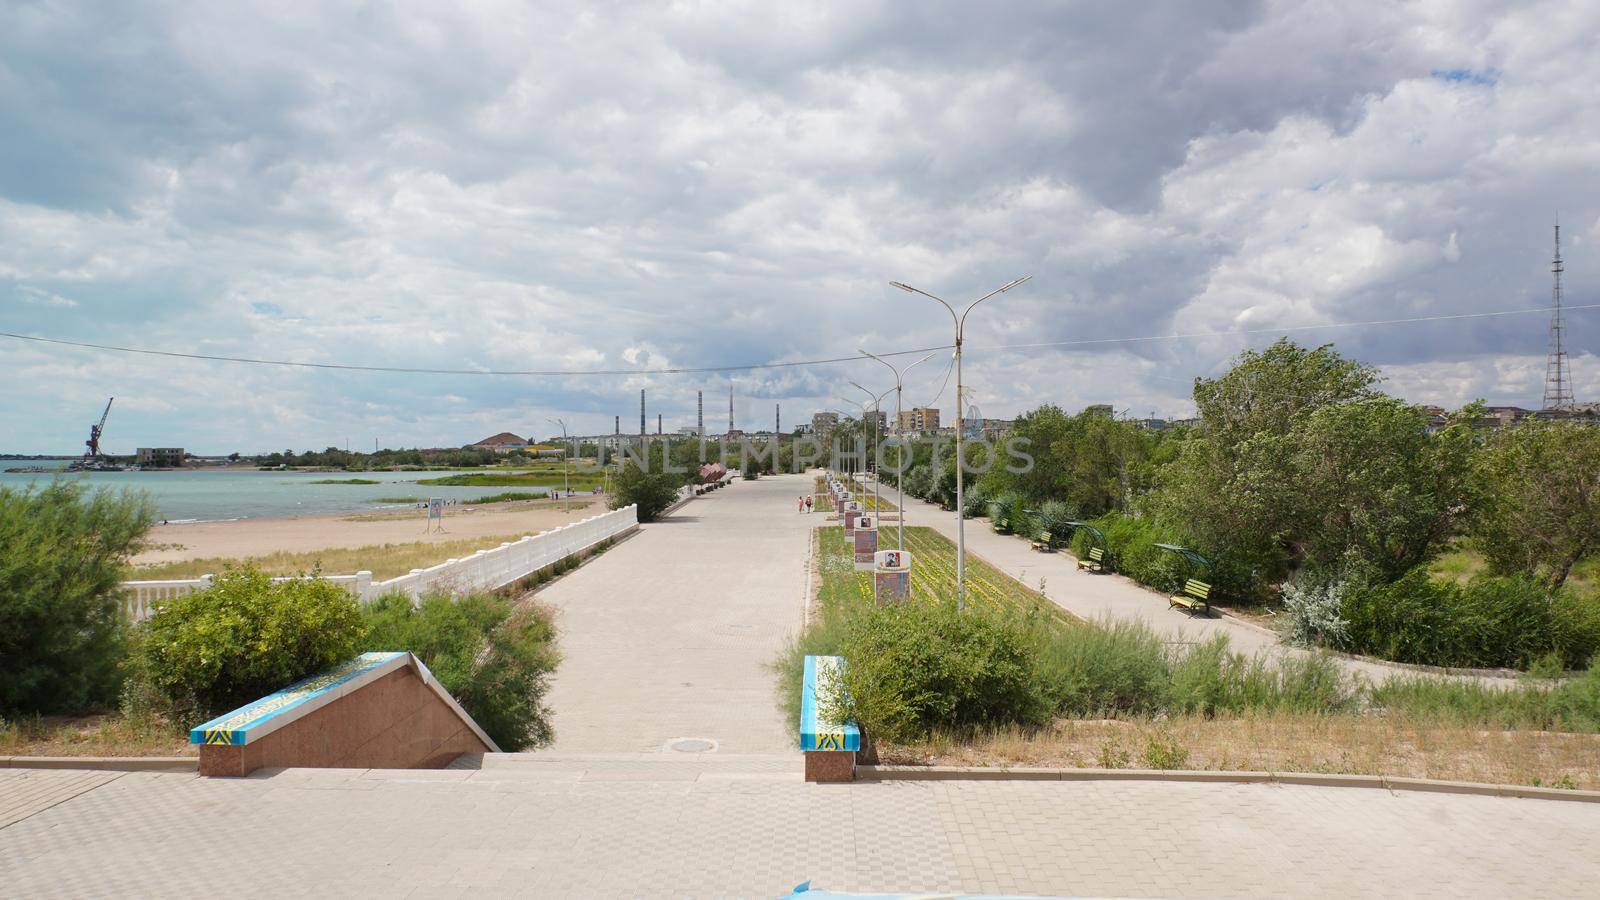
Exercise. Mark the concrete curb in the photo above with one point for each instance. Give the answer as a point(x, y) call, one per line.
point(1022, 773)
point(104, 763)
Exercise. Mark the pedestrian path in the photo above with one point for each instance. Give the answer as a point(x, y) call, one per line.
point(669, 634)
point(1092, 595)
point(605, 827)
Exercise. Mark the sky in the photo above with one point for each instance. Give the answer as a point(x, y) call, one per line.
point(580, 186)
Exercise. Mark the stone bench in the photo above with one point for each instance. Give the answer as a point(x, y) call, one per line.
point(830, 747)
point(377, 711)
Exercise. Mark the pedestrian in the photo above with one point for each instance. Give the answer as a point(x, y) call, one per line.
point(799, 504)
point(808, 504)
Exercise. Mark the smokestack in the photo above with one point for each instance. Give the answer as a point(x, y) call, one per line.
point(641, 412)
point(658, 423)
point(777, 418)
point(730, 406)
point(619, 424)
point(700, 412)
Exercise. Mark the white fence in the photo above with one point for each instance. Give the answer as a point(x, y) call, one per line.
point(485, 570)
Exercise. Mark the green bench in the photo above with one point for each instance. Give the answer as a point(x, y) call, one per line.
point(1095, 561)
point(1042, 542)
point(1196, 595)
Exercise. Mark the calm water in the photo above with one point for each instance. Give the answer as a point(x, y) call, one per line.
point(208, 495)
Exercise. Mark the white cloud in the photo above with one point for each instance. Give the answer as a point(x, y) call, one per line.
point(576, 187)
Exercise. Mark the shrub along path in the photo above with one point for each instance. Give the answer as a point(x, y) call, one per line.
point(1090, 596)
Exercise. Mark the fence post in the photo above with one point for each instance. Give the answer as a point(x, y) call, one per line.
point(363, 586)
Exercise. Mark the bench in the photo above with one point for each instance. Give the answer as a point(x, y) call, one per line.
point(1095, 561)
point(1196, 595)
point(830, 747)
point(1042, 542)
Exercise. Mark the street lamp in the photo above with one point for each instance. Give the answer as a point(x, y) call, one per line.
point(863, 407)
point(877, 414)
point(565, 487)
point(899, 478)
point(960, 323)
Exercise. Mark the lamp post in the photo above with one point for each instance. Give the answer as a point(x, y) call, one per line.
point(899, 476)
point(877, 415)
point(960, 323)
point(565, 487)
point(863, 407)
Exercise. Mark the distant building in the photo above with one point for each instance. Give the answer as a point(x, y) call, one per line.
point(919, 419)
point(879, 416)
point(692, 431)
point(1506, 415)
point(824, 422)
point(504, 442)
point(988, 428)
point(1100, 409)
point(160, 457)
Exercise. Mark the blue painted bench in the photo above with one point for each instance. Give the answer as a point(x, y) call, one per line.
point(830, 747)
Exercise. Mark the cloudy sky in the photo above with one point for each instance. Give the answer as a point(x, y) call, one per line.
point(603, 185)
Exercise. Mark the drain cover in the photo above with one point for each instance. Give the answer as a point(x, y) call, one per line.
point(692, 745)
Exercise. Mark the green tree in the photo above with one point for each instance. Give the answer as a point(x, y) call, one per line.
point(62, 555)
point(653, 490)
point(1264, 392)
point(1371, 487)
point(1540, 509)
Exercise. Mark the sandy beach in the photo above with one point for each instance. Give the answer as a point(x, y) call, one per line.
point(300, 534)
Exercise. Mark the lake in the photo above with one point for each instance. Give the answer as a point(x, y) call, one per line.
point(216, 494)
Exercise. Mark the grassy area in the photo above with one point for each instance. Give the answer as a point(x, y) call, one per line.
point(504, 497)
point(1396, 745)
point(933, 572)
point(582, 479)
point(346, 481)
point(400, 500)
point(94, 735)
point(385, 561)
point(1462, 564)
point(823, 500)
point(400, 515)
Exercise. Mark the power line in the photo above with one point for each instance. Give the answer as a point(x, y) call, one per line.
point(687, 370)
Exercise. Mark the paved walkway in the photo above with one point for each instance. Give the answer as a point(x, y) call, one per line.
point(669, 634)
point(592, 827)
point(1092, 596)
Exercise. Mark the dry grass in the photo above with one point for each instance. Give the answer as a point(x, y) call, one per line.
point(385, 561)
point(97, 735)
point(1283, 742)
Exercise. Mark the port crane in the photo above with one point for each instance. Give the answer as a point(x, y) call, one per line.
point(95, 430)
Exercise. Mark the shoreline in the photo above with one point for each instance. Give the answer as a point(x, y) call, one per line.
point(244, 538)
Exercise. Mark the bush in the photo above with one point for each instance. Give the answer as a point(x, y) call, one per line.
point(913, 668)
point(1005, 512)
point(494, 657)
point(1571, 705)
point(62, 554)
point(244, 637)
point(652, 491)
point(1312, 606)
point(1108, 667)
point(1209, 679)
point(1053, 516)
point(1489, 622)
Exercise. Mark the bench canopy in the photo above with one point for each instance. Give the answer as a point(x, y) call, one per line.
point(1192, 556)
point(816, 731)
point(1098, 535)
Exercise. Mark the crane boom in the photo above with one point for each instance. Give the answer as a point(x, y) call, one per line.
point(93, 443)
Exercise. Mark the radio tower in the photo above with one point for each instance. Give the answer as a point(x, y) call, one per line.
point(1557, 390)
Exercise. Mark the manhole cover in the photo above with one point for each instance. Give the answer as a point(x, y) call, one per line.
point(692, 745)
